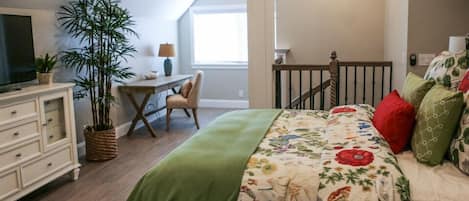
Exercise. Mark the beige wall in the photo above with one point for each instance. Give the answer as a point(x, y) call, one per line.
point(431, 22)
point(312, 28)
point(395, 38)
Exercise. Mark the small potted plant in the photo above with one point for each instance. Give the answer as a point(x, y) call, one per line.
point(44, 66)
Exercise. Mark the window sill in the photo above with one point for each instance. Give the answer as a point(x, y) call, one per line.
point(220, 66)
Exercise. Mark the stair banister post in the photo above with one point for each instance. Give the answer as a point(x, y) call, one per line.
point(334, 71)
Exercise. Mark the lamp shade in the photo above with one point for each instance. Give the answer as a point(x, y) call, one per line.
point(457, 44)
point(166, 50)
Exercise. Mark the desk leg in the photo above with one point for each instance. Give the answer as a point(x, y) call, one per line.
point(140, 114)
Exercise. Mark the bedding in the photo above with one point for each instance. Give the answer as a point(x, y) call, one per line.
point(304, 155)
point(442, 182)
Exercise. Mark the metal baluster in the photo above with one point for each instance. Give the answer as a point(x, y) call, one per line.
point(322, 92)
point(346, 85)
point(301, 88)
point(278, 89)
point(364, 84)
point(382, 82)
point(289, 88)
point(373, 93)
point(311, 90)
point(390, 78)
point(355, 87)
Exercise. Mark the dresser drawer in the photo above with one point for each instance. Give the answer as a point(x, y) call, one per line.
point(20, 154)
point(17, 112)
point(18, 134)
point(48, 165)
point(9, 184)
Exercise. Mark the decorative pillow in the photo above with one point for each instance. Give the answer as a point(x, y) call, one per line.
point(437, 121)
point(415, 89)
point(448, 69)
point(459, 151)
point(186, 88)
point(394, 119)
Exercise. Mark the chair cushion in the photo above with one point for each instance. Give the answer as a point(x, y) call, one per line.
point(415, 89)
point(186, 88)
point(177, 101)
point(394, 119)
point(437, 121)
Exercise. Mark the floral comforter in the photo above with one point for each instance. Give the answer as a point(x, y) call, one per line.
point(318, 155)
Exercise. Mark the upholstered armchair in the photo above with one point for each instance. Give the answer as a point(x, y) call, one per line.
point(188, 99)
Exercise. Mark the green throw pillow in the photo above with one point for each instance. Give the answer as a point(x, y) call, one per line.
point(415, 89)
point(437, 120)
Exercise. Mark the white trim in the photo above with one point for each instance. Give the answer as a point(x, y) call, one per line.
point(218, 103)
point(202, 67)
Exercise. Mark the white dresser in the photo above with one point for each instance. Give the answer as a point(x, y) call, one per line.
point(37, 138)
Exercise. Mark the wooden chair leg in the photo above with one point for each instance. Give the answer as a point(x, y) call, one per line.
point(194, 112)
point(168, 117)
point(187, 113)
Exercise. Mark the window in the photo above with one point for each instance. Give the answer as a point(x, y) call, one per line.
point(219, 36)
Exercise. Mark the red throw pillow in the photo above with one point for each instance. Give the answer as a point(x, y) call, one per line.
point(394, 118)
point(464, 84)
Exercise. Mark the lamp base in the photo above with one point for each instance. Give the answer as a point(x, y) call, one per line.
point(168, 67)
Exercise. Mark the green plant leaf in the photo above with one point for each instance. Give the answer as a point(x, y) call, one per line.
point(449, 62)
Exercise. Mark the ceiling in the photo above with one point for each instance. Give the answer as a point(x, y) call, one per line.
point(169, 9)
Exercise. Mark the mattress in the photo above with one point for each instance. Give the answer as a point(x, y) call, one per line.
point(443, 182)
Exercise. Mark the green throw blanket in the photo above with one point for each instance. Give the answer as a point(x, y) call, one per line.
point(211, 164)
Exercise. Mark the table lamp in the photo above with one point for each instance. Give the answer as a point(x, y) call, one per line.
point(457, 44)
point(167, 50)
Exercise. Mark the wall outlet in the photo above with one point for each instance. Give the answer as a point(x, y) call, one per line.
point(425, 59)
point(241, 93)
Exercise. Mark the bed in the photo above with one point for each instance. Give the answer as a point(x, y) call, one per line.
point(280, 155)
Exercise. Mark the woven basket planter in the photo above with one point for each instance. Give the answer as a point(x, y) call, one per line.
point(100, 145)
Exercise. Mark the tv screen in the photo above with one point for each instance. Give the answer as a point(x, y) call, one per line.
point(16, 50)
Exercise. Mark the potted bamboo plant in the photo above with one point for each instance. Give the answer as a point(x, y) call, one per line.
point(44, 66)
point(103, 27)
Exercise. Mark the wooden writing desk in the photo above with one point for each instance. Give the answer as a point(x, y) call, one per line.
point(148, 88)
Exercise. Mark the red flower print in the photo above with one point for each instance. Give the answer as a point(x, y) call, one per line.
point(340, 194)
point(343, 110)
point(338, 147)
point(464, 84)
point(354, 157)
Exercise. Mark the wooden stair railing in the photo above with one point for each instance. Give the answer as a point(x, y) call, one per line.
point(337, 71)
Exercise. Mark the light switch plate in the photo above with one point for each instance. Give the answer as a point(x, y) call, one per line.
point(425, 59)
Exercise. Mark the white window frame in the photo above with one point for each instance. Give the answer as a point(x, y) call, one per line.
point(214, 9)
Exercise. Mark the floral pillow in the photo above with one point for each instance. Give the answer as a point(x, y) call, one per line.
point(448, 69)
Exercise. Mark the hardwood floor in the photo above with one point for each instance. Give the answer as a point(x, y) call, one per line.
point(114, 180)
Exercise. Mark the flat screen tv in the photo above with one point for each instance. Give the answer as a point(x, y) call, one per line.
point(16, 50)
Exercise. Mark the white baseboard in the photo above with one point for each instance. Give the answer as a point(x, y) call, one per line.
point(229, 104)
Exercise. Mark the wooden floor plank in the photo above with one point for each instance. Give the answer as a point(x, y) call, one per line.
point(114, 180)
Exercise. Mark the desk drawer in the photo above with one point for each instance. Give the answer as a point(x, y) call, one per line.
point(9, 184)
point(18, 112)
point(20, 154)
point(18, 134)
point(48, 165)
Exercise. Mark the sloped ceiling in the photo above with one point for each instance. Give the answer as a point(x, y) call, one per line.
point(169, 9)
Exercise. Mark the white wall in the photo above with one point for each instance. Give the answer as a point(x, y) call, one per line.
point(220, 83)
point(152, 30)
point(395, 38)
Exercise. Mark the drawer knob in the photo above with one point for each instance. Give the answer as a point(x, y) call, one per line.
point(50, 120)
point(44, 124)
point(13, 112)
point(19, 155)
point(16, 134)
point(49, 164)
point(51, 136)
